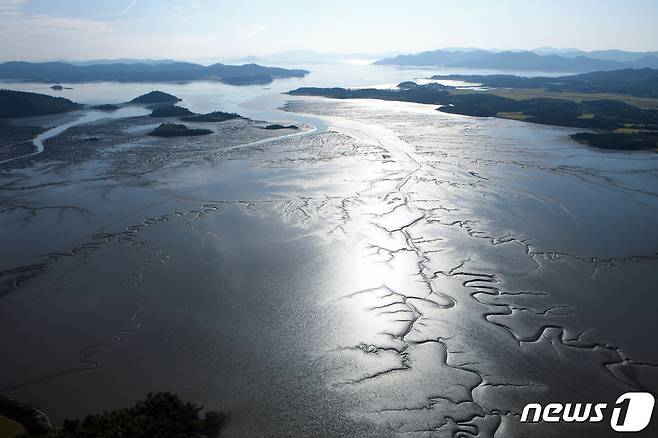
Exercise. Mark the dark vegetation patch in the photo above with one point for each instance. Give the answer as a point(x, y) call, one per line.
point(23, 104)
point(276, 126)
point(215, 116)
point(612, 140)
point(106, 107)
point(156, 97)
point(431, 93)
point(170, 111)
point(32, 420)
point(161, 415)
point(177, 130)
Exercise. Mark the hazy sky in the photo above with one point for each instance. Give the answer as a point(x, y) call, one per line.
point(197, 29)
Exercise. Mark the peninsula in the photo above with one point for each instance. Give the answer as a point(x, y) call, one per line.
point(618, 121)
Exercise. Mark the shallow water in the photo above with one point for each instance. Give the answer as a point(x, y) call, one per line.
point(399, 271)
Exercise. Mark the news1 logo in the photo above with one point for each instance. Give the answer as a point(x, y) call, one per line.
point(630, 413)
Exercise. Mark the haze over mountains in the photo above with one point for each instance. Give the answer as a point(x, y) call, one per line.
point(543, 59)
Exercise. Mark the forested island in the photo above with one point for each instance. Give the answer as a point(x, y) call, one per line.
point(177, 130)
point(155, 97)
point(23, 104)
point(215, 116)
point(14, 104)
point(107, 107)
point(619, 125)
point(170, 111)
point(56, 72)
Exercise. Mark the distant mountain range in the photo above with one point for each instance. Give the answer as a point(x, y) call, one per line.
point(118, 61)
point(164, 71)
point(313, 57)
point(609, 55)
point(543, 59)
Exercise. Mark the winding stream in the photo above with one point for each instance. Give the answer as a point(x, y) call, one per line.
point(87, 116)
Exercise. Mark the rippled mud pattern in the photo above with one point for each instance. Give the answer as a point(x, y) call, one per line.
point(112, 157)
point(468, 321)
point(405, 273)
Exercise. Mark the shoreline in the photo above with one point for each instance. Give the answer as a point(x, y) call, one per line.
point(607, 124)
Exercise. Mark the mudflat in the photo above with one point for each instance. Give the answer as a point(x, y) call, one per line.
point(399, 272)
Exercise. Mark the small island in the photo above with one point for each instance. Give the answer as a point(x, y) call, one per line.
point(171, 111)
point(177, 130)
point(276, 126)
point(407, 85)
point(106, 107)
point(215, 116)
point(156, 97)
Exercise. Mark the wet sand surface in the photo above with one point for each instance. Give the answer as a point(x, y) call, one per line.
point(403, 273)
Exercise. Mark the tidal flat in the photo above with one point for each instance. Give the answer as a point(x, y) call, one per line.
point(401, 272)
